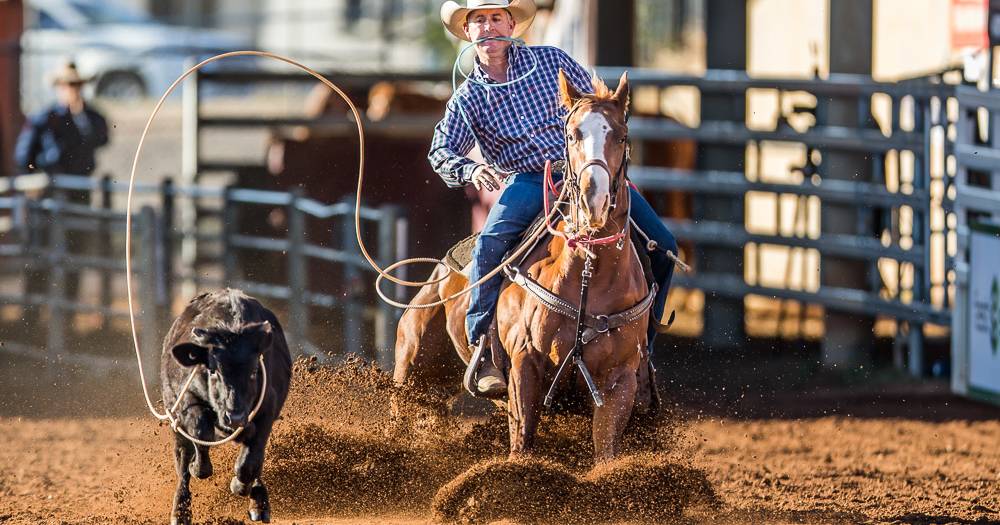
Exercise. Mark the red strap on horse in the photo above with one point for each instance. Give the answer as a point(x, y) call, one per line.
point(586, 240)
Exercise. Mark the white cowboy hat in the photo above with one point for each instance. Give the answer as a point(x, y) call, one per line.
point(454, 15)
point(67, 74)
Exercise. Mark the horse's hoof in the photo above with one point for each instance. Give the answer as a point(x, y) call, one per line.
point(238, 488)
point(180, 520)
point(201, 469)
point(262, 516)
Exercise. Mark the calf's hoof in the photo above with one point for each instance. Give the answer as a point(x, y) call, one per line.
point(261, 515)
point(180, 518)
point(238, 488)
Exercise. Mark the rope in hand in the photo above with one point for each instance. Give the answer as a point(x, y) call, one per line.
point(383, 274)
point(168, 414)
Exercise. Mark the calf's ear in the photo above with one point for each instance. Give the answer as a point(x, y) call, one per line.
point(190, 354)
point(266, 335)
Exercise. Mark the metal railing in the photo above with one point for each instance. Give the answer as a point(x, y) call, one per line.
point(895, 206)
point(977, 199)
point(921, 102)
point(34, 234)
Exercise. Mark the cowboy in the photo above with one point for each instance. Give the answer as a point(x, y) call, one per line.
point(63, 138)
point(518, 127)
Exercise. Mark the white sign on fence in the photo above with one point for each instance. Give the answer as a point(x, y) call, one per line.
point(984, 310)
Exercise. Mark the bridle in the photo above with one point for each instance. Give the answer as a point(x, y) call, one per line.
point(572, 178)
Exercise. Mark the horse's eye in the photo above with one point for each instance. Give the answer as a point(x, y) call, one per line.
point(570, 139)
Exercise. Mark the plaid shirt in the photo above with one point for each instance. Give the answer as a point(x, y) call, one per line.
point(518, 127)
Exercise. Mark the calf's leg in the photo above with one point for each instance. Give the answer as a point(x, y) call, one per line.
point(201, 466)
point(247, 480)
point(180, 514)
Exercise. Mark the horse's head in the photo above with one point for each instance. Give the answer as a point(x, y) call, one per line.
point(596, 149)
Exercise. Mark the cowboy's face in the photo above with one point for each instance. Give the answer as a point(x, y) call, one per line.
point(69, 93)
point(483, 23)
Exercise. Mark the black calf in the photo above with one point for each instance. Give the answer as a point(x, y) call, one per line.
point(221, 335)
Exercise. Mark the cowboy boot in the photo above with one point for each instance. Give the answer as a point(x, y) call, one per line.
point(482, 377)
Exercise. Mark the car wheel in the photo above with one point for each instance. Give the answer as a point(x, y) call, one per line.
point(122, 86)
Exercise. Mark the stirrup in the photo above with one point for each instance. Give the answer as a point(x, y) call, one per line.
point(471, 379)
point(662, 328)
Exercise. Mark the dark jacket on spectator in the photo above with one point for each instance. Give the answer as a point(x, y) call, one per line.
point(57, 142)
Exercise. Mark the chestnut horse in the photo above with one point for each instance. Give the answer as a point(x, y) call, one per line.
point(537, 339)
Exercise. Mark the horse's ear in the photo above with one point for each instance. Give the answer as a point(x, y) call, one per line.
point(622, 93)
point(568, 94)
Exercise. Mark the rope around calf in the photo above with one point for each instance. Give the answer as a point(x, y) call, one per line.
point(168, 415)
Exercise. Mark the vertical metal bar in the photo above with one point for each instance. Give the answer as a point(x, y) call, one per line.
point(148, 316)
point(353, 308)
point(889, 220)
point(921, 237)
point(104, 245)
point(56, 341)
point(298, 279)
point(959, 318)
point(230, 221)
point(875, 216)
point(190, 168)
point(385, 320)
point(166, 243)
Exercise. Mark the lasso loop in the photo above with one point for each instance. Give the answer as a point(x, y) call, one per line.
point(382, 274)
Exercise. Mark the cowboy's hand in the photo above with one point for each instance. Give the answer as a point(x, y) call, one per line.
point(486, 178)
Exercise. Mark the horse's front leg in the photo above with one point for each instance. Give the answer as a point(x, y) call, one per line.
point(524, 389)
point(618, 388)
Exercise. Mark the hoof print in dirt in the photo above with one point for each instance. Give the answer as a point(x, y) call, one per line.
point(525, 490)
point(646, 486)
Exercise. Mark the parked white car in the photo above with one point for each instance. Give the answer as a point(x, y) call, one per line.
point(128, 54)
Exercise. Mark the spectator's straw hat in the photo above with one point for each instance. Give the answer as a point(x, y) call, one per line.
point(67, 74)
point(454, 15)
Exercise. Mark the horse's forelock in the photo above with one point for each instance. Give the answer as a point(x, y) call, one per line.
point(601, 91)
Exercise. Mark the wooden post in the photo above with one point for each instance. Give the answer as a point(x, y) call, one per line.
point(298, 278)
point(353, 310)
point(385, 320)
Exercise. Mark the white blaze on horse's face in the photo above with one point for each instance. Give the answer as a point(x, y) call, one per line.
point(595, 181)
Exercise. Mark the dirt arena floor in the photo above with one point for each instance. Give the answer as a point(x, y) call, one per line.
point(913, 455)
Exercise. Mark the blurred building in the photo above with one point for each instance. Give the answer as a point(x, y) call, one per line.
point(10, 109)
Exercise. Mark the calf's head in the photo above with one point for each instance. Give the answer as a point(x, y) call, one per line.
point(232, 360)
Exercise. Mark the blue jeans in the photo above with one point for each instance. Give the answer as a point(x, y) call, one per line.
point(517, 208)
